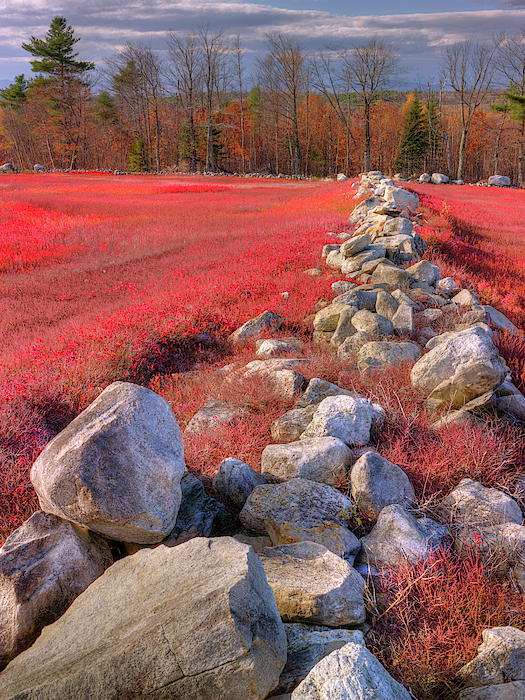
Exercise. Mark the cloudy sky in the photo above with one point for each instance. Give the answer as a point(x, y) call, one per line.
point(416, 28)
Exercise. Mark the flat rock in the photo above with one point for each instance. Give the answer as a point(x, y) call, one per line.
point(214, 414)
point(229, 644)
point(116, 468)
point(323, 459)
point(235, 480)
point(270, 499)
point(500, 658)
point(465, 365)
point(357, 261)
point(347, 418)
point(350, 673)
point(377, 483)
point(307, 645)
point(312, 584)
point(473, 504)
point(498, 320)
point(397, 537)
point(381, 354)
point(342, 286)
point(264, 323)
point(44, 565)
point(363, 299)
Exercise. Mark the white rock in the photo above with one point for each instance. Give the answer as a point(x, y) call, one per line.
point(439, 179)
point(350, 673)
point(499, 181)
point(323, 459)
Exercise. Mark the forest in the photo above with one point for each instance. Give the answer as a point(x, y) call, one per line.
point(293, 112)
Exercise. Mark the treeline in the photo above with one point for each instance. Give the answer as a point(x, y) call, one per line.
point(298, 114)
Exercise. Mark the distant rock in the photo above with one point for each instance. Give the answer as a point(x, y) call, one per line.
point(499, 181)
point(439, 179)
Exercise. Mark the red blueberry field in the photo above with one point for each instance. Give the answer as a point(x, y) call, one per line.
point(143, 278)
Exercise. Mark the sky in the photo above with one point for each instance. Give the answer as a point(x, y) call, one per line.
point(418, 31)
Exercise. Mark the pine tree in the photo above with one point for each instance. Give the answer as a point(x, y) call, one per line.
point(15, 94)
point(515, 106)
point(415, 140)
point(62, 79)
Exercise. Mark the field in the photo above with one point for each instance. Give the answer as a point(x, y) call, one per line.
point(143, 279)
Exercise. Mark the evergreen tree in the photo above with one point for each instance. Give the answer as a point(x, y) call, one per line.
point(137, 155)
point(415, 139)
point(15, 94)
point(515, 106)
point(63, 80)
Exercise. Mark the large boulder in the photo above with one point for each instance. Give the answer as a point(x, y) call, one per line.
point(398, 199)
point(44, 565)
point(355, 244)
point(195, 621)
point(392, 276)
point(361, 210)
point(116, 468)
point(343, 417)
point(377, 483)
point(270, 499)
point(350, 673)
point(500, 658)
point(465, 365)
point(312, 584)
point(324, 459)
point(498, 320)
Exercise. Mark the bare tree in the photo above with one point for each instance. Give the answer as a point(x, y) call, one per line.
point(435, 119)
point(469, 69)
point(186, 74)
point(283, 76)
point(510, 64)
point(334, 83)
point(369, 69)
point(239, 71)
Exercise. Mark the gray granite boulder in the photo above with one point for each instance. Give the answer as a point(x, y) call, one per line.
point(398, 536)
point(471, 503)
point(347, 418)
point(350, 673)
point(465, 365)
point(44, 565)
point(269, 499)
point(500, 658)
point(382, 354)
point(372, 323)
point(312, 584)
point(502, 691)
point(307, 645)
point(264, 323)
point(116, 468)
point(319, 389)
point(377, 483)
point(125, 635)
point(355, 245)
point(235, 480)
point(214, 414)
point(323, 459)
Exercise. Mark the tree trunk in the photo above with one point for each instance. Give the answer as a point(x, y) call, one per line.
point(461, 156)
point(367, 135)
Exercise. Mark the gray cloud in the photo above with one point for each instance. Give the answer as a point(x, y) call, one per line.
point(106, 25)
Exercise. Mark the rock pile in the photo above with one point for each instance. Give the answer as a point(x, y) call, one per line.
point(258, 613)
